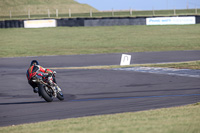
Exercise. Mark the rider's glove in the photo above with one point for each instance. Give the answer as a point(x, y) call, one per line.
point(54, 72)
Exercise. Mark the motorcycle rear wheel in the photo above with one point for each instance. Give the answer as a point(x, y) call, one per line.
point(44, 94)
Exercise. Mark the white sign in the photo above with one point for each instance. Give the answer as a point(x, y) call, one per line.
point(170, 20)
point(125, 59)
point(39, 23)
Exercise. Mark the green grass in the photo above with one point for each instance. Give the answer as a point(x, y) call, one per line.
point(182, 65)
point(38, 10)
point(92, 40)
point(37, 7)
point(183, 119)
point(179, 65)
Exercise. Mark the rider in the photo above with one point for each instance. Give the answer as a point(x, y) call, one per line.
point(34, 69)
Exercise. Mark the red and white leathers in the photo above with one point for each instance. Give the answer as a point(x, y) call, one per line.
point(36, 69)
point(39, 70)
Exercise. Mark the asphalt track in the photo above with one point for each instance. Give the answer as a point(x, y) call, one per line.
point(94, 92)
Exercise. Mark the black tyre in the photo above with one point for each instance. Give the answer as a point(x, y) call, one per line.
point(47, 97)
point(60, 96)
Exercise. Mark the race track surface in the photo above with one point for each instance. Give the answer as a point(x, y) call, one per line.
point(94, 92)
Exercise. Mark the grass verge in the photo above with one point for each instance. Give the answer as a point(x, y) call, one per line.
point(178, 65)
point(183, 119)
point(92, 40)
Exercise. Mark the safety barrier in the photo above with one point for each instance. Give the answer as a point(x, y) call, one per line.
point(12, 24)
point(71, 22)
point(197, 19)
point(100, 21)
point(114, 21)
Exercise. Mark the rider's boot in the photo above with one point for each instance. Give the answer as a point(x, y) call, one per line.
point(35, 90)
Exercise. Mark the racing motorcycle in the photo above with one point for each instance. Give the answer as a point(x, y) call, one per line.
point(48, 89)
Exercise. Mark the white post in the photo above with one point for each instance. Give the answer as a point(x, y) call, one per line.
point(112, 12)
point(29, 14)
point(90, 12)
point(48, 13)
point(153, 11)
point(131, 12)
point(174, 11)
point(70, 13)
point(196, 10)
point(57, 13)
point(10, 14)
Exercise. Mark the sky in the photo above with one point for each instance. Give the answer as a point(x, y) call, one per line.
point(141, 4)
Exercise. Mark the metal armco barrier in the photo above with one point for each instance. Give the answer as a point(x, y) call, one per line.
point(71, 22)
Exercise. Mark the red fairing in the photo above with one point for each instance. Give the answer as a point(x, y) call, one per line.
point(49, 71)
point(42, 69)
point(40, 74)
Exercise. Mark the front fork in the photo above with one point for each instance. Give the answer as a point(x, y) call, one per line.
point(53, 86)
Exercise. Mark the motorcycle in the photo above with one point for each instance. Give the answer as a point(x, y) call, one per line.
point(48, 89)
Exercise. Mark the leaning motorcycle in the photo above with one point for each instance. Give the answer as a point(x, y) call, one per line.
point(48, 89)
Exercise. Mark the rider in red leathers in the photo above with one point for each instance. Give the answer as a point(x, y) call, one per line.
point(34, 69)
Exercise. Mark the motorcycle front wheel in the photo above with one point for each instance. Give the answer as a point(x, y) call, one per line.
point(47, 97)
point(60, 96)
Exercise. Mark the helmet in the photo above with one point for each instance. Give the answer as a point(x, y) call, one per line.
point(34, 62)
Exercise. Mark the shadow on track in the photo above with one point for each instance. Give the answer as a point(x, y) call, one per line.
point(14, 103)
point(133, 97)
point(140, 91)
point(68, 97)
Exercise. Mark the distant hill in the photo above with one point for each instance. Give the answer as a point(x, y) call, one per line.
point(41, 6)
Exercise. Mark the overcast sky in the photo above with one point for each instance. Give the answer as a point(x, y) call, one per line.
point(141, 4)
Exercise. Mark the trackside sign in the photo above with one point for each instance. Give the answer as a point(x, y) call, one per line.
point(40, 23)
point(125, 60)
point(170, 21)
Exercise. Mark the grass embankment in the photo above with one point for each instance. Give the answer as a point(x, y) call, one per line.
point(36, 7)
point(183, 119)
point(92, 40)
